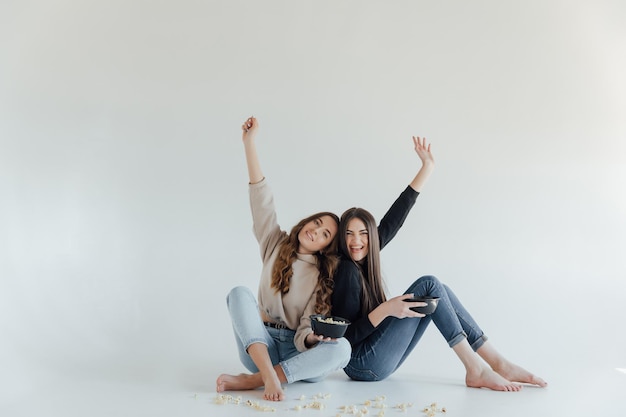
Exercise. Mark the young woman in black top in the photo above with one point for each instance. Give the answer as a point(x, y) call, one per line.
point(384, 331)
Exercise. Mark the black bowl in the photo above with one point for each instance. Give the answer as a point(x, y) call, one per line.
point(329, 326)
point(429, 308)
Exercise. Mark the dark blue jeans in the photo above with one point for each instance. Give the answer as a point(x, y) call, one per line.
point(382, 353)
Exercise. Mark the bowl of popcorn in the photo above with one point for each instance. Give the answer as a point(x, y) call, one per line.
point(329, 326)
point(429, 308)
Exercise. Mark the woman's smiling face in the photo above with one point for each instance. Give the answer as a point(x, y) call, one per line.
point(317, 234)
point(357, 239)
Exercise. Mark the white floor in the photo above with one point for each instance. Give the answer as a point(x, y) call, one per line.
point(583, 389)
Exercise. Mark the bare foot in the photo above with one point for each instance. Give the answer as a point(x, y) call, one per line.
point(273, 389)
point(239, 382)
point(486, 378)
point(516, 373)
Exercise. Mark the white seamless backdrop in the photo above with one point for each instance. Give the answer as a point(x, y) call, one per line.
point(124, 216)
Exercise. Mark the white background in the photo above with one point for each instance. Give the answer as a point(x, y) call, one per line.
point(124, 216)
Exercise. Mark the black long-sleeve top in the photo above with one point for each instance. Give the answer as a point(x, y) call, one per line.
point(346, 298)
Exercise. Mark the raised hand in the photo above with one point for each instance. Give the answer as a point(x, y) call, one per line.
point(249, 128)
point(428, 163)
point(423, 150)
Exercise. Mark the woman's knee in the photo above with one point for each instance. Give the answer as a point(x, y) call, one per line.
point(430, 278)
point(238, 293)
point(430, 282)
point(342, 351)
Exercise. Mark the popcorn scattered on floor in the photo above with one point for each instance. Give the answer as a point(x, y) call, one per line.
point(403, 406)
point(432, 409)
point(227, 399)
point(317, 403)
point(259, 407)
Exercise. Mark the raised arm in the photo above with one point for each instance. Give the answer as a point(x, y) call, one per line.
point(428, 163)
point(249, 129)
point(393, 220)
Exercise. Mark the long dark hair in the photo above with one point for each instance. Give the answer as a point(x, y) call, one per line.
point(327, 261)
point(372, 285)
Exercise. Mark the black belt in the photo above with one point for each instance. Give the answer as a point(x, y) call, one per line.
point(275, 325)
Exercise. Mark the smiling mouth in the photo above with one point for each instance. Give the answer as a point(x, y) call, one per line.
point(309, 236)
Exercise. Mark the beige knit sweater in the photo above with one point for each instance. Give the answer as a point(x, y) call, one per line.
point(294, 308)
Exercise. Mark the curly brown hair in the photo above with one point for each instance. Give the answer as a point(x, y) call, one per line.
point(326, 261)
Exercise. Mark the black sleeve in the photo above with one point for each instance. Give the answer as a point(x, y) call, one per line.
point(346, 301)
point(393, 220)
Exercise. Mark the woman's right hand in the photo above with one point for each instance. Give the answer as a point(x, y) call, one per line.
point(401, 309)
point(395, 307)
point(249, 128)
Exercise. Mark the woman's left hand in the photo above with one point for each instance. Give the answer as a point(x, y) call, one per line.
point(423, 150)
point(313, 339)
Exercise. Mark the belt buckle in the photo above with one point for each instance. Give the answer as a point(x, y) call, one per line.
point(275, 325)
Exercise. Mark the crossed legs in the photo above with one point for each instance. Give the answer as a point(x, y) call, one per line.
point(269, 376)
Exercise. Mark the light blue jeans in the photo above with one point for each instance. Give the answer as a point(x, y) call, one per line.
point(310, 366)
point(387, 348)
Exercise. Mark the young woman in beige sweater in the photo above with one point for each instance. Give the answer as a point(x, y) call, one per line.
point(274, 336)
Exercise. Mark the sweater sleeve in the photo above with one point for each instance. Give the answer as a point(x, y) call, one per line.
point(393, 220)
point(304, 328)
point(265, 225)
point(346, 302)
